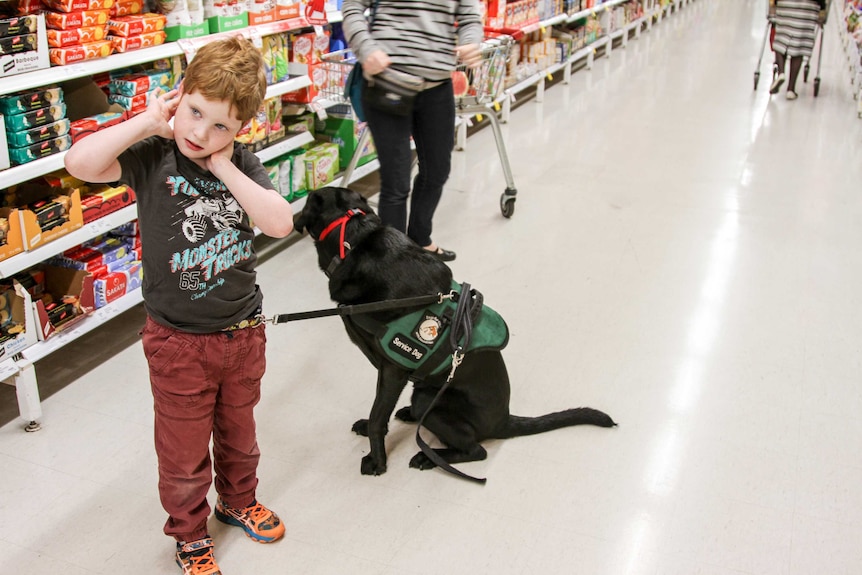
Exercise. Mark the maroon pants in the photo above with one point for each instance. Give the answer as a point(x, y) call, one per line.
point(204, 386)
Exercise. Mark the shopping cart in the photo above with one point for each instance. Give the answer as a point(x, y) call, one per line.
point(475, 90)
point(769, 34)
point(480, 87)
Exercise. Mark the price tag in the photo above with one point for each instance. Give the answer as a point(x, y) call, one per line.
point(188, 48)
point(255, 37)
point(318, 108)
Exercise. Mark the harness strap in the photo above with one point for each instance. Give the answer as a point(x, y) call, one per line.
point(459, 338)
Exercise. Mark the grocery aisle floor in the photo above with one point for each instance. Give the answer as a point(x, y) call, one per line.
point(684, 255)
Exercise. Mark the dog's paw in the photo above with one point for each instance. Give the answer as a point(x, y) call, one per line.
point(421, 461)
point(361, 428)
point(404, 414)
point(370, 467)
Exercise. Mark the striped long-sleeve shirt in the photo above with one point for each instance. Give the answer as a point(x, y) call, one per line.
point(419, 36)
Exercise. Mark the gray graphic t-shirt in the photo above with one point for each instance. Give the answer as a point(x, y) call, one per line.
point(198, 252)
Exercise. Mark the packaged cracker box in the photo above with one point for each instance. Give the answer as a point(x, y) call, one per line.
point(28, 101)
point(89, 51)
point(147, 40)
point(74, 36)
point(40, 150)
point(18, 26)
point(78, 5)
point(39, 134)
point(321, 165)
point(36, 118)
point(133, 84)
point(63, 21)
point(136, 24)
point(18, 44)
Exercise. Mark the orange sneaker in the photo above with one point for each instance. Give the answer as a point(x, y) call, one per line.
point(259, 523)
point(196, 557)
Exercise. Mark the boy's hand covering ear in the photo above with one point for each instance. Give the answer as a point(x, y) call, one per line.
point(160, 111)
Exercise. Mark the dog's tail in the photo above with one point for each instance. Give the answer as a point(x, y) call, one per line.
point(518, 426)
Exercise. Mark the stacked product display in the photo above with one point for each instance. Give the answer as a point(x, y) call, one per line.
point(68, 249)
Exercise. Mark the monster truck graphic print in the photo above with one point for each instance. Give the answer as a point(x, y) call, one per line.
point(223, 213)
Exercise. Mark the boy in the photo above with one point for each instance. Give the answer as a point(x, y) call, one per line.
point(203, 339)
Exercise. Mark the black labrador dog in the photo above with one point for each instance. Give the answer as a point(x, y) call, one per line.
point(369, 262)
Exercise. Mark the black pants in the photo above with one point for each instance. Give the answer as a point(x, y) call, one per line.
point(432, 125)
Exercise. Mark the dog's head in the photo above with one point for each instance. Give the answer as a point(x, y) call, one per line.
point(326, 205)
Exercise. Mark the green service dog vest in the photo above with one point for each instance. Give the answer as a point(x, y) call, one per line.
point(417, 338)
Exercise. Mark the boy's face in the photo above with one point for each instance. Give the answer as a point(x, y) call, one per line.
point(203, 127)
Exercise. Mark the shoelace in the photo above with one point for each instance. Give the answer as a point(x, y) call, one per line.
point(257, 513)
point(200, 561)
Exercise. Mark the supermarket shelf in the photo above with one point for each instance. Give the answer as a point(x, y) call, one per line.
point(595, 9)
point(291, 85)
point(284, 146)
point(8, 369)
point(95, 228)
point(97, 318)
point(56, 74)
point(30, 170)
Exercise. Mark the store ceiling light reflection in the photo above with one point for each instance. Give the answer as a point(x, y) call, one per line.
point(705, 324)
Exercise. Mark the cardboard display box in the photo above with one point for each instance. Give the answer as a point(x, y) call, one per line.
point(33, 234)
point(61, 282)
point(19, 305)
point(11, 64)
point(14, 239)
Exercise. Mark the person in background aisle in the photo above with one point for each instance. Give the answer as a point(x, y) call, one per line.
point(796, 24)
point(204, 338)
point(417, 37)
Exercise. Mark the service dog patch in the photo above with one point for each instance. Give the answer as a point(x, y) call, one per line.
point(428, 329)
point(407, 348)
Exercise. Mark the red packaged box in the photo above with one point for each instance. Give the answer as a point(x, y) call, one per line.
point(75, 36)
point(137, 24)
point(64, 21)
point(126, 7)
point(78, 5)
point(125, 44)
point(90, 51)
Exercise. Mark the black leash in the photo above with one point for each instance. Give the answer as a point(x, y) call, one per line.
point(363, 308)
point(459, 339)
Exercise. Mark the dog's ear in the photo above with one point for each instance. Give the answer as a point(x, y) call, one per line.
point(310, 213)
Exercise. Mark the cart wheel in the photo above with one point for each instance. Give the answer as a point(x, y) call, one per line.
point(756, 79)
point(805, 73)
point(507, 205)
point(816, 86)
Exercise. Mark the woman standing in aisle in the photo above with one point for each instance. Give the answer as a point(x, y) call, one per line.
point(796, 24)
point(421, 38)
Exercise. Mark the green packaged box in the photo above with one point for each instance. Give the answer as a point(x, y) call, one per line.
point(40, 150)
point(38, 134)
point(36, 118)
point(28, 101)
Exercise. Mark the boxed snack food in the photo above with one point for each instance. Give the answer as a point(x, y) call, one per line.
point(65, 21)
point(28, 101)
point(18, 44)
point(309, 47)
point(67, 300)
point(126, 7)
point(136, 24)
point(261, 12)
point(78, 5)
point(89, 51)
point(86, 126)
point(321, 165)
point(14, 59)
point(133, 84)
point(136, 102)
point(287, 9)
point(39, 134)
point(103, 200)
point(4, 147)
point(10, 225)
point(32, 232)
point(146, 40)
point(117, 283)
point(37, 151)
point(34, 119)
point(18, 327)
point(19, 25)
point(74, 36)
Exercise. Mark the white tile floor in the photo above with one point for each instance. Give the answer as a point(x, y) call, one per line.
point(684, 255)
